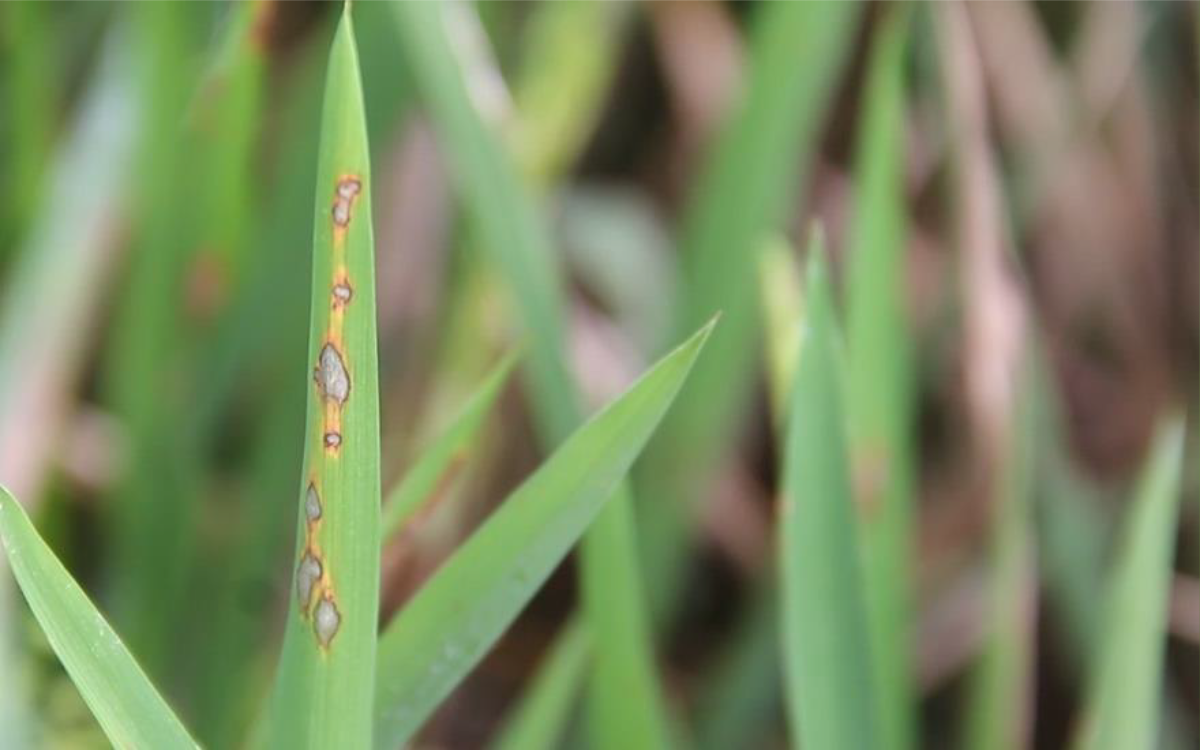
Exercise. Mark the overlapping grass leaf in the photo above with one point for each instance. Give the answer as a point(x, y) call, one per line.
point(456, 617)
point(121, 697)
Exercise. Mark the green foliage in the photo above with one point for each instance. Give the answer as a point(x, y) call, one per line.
point(827, 652)
point(752, 174)
point(127, 706)
point(436, 461)
point(822, 548)
point(1124, 704)
point(325, 685)
point(626, 704)
point(878, 390)
point(464, 608)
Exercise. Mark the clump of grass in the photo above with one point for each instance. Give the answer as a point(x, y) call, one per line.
point(326, 684)
point(766, 575)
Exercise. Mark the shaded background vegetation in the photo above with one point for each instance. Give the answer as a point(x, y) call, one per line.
point(155, 234)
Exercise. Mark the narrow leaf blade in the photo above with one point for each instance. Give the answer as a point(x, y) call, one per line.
point(879, 399)
point(115, 688)
point(796, 52)
point(1124, 703)
point(422, 479)
point(325, 684)
point(626, 704)
point(826, 647)
point(452, 622)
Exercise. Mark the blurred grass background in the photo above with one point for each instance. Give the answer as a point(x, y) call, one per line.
point(1008, 197)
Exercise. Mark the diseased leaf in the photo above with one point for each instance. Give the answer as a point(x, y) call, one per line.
point(325, 685)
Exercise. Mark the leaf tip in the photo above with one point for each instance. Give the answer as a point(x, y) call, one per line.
point(696, 342)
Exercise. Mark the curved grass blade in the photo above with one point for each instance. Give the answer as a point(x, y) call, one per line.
point(825, 639)
point(325, 684)
point(565, 70)
point(626, 700)
point(460, 613)
point(129, 709)
point(568, 47)
point(52, 280)
point(1124, 703)
point(741, 693)
point(999, 710)
point(753, 175)
point(879, 391)
point(493, 193)
point(436, 460)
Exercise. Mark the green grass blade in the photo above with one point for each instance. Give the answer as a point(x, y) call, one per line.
point(52, 280)
point(155, 504)
point(326, 679)
point(782, 313)
point(496, 199)
point(129, 709)
point(421, 481)
point(31, 83)
point(539, 719)
point(235, 664)
point(224, 125)
point(1124, 701)
point(457, 616)
point(1071, 524)
point(570, 56)
point(752, 177)
point(626, 701)
point(825, 638)
point(878, 392)
point(998, 712)
point(741, 692)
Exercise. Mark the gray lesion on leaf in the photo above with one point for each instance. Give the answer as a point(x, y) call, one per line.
point(312, 503)
point(307, 574)
point(326, 621)
point(331, 376)
point(342, 292)
point(333, 440)
point(348, 189)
